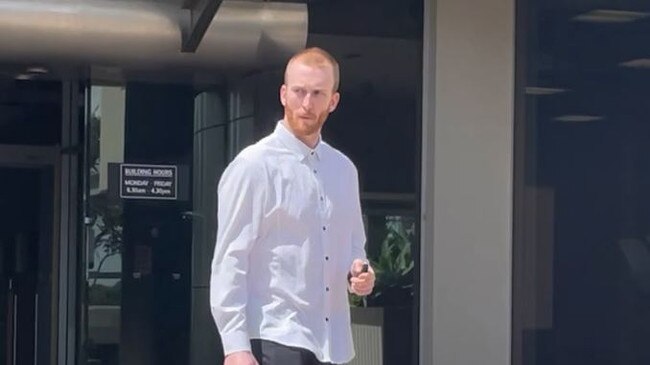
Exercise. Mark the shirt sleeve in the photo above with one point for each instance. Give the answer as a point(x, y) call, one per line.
point(358, 228)
point(241, 195)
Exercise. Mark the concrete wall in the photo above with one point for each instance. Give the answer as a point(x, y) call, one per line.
point(467, 182)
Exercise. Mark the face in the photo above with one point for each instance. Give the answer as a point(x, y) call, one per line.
point(308, 98)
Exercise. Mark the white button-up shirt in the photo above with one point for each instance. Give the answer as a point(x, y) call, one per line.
point(289, 227)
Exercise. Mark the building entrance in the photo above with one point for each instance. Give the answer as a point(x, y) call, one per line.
point(27, 242)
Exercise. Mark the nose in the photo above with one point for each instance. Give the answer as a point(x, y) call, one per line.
point(306, 101)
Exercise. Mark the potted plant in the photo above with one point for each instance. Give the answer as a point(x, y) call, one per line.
point(389, 309)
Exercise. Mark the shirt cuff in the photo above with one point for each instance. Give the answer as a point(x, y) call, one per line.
point(235, 341)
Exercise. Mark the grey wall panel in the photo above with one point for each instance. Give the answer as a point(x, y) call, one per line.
point(219, 134)
point(468, 183)
point(210, 159)
point(240, 135)
point(209, 111)
point(242, 98)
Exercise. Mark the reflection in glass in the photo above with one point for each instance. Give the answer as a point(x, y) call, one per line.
point(135, 305)
point(582, 171)
point(393, 261)
point(104, 226)
point(383, 322)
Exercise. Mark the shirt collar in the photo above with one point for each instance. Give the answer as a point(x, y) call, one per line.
point(295, 145)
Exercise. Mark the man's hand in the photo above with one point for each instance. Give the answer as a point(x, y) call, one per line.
point(361, 283)
point(240, 358)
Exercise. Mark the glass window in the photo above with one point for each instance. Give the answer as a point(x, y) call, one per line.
point(388, 315)
point(104, 225)
point(582, 170)
point(377, 124)
point(136, 296)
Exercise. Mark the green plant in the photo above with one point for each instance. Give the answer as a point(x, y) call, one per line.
point(393, 265)
point(104, 212)
point(99, 294)
point(106, 216)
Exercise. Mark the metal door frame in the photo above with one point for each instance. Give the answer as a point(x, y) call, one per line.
point(71, 153)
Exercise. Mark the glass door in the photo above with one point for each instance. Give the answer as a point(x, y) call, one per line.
point(26, 240)
point(135, 289)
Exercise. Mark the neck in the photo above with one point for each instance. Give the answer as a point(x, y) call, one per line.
point(310, 140)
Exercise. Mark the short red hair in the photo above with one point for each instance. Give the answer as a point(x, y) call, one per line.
point(316, 57)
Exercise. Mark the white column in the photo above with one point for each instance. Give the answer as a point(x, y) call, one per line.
point(467, 182)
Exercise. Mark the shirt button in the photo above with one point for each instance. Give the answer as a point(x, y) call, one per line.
point(315, 171)
point(327, 319)
point(327, 288)
point(324, 228)
point(327, 258)
point(312, 153)
point(321, 198)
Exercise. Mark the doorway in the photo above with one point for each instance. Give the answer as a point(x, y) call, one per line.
point(28, 219)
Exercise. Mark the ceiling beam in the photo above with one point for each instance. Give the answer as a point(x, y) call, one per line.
point(201, 14)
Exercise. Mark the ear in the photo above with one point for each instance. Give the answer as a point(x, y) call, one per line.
point(334, 101)
point(283, 95)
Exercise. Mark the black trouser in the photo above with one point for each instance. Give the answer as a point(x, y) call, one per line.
point(272, 353)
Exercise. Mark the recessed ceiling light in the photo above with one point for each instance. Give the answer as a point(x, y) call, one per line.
point(37, 70)
point(536, 90)
point(610, 16)
point(577, 118)
point(24, 77)
point(638, 63)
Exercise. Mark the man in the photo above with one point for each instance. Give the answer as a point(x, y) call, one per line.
point(290, 240)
